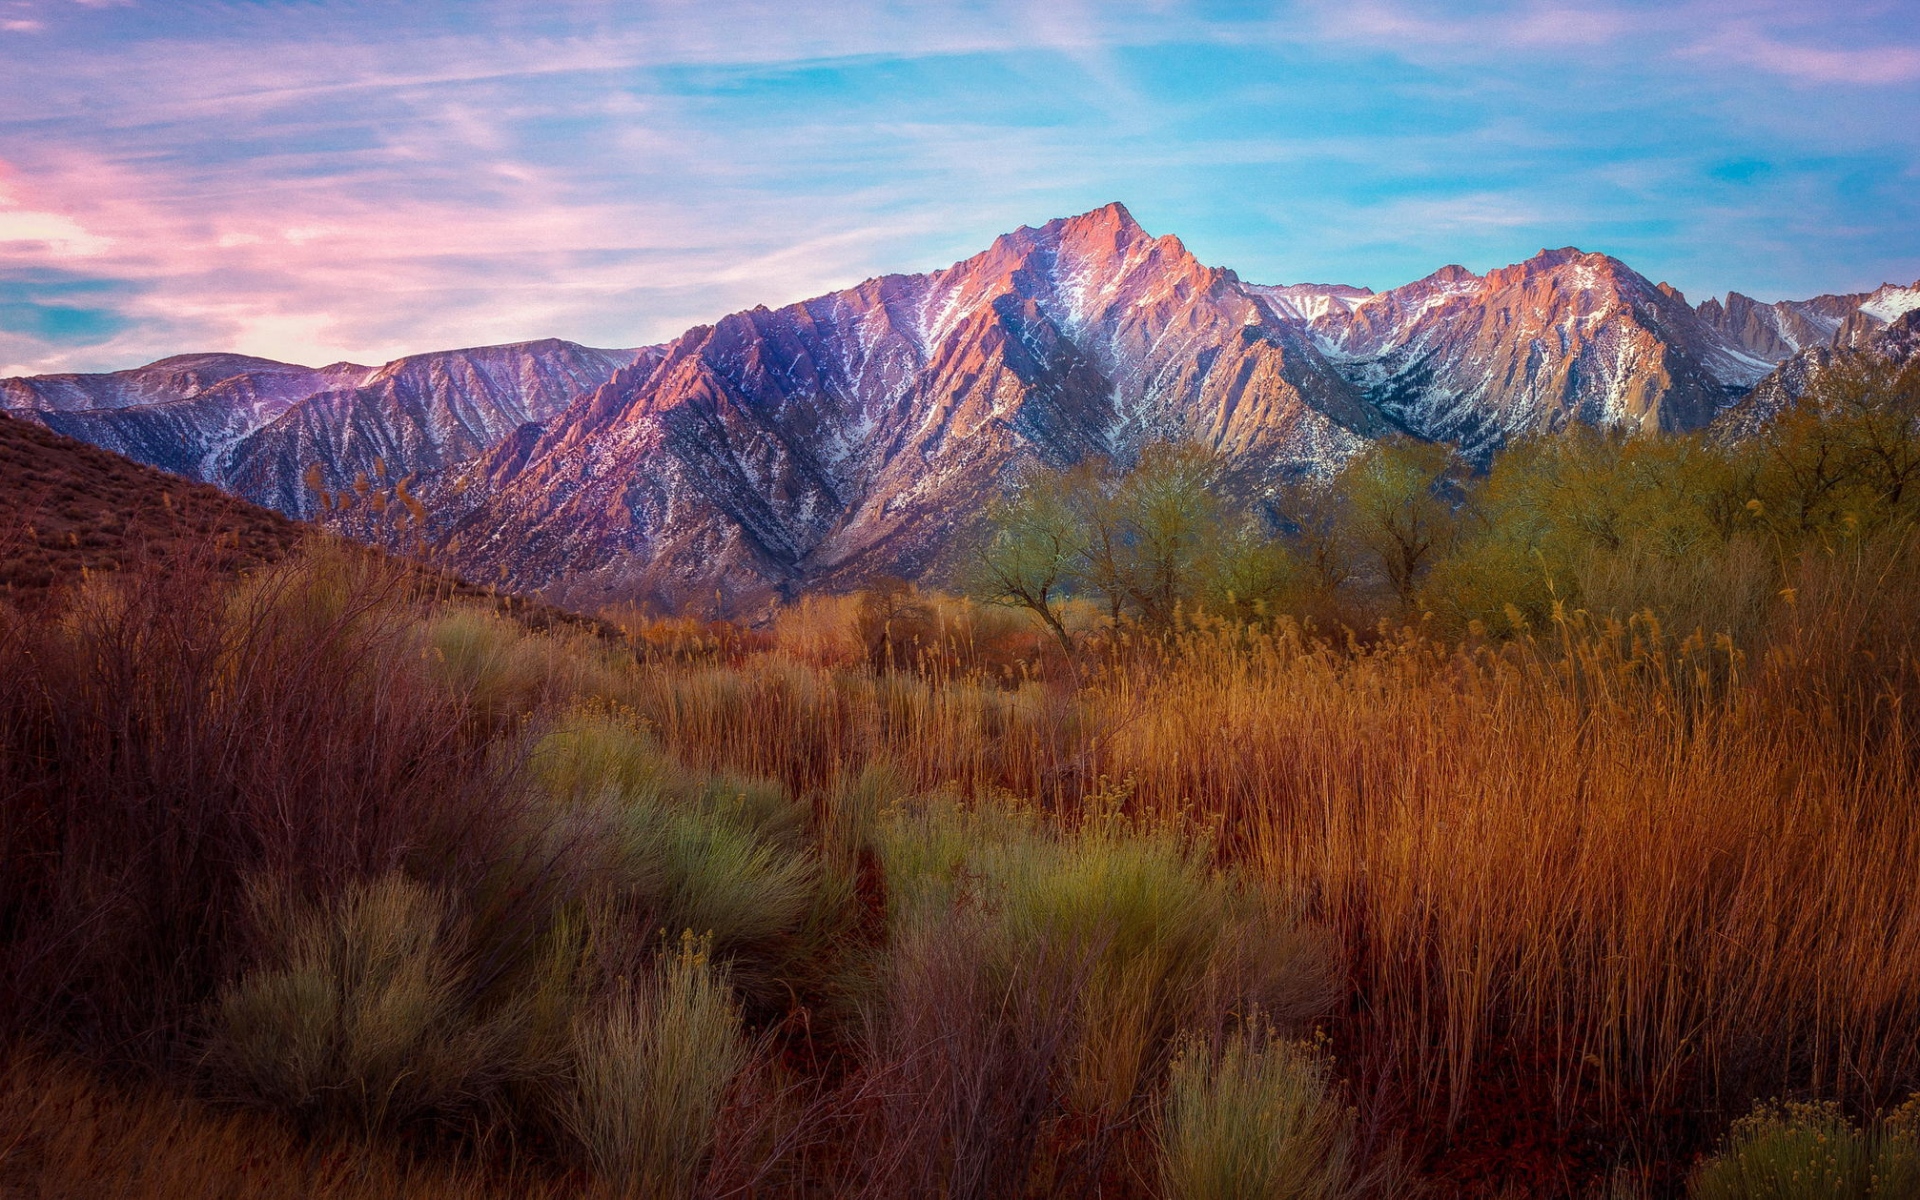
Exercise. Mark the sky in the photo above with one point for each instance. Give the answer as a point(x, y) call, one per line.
point(317, 181)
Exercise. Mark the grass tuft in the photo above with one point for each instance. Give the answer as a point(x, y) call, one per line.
point(1257, 1118)
point(651, 1069)
point(356, 1015)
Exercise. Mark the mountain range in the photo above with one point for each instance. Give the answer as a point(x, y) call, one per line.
point(865, 432)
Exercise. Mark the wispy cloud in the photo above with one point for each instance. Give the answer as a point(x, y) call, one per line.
point(363, 179)
point(1869, 66)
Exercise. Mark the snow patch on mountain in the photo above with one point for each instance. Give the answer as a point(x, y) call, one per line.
point(1888, 303)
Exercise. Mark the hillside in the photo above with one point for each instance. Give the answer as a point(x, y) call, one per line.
point(69, 508)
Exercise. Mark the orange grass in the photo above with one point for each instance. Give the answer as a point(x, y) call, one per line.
point(1608, 884)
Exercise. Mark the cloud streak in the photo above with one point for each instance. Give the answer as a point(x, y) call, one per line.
point(360, 180)
point(1867, 66)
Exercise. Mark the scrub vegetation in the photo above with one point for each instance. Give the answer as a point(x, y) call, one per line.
point(1541, 830)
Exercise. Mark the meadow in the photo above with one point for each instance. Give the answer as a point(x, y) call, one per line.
point(1542, 830)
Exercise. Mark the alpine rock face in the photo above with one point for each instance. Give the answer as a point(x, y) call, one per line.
point(1896, 341)
point(176, 413)
point(1563, 337)
point(414, 416)
point(861, 431)
point(868, 430)
point(1777, 331)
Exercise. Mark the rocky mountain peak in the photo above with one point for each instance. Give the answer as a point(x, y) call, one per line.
point(1453, 274)
point(1890, 301)
point(1571, 267)
point(1112, 216)
point(1105, 241)
point(1567, 335)
point(866, 430)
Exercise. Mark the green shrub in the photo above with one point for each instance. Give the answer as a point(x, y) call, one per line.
point(1256, 1119)
point(759, 806)
point(357, 1015)
point(1790, 1152)
point(1162, 940)
point(651, 1070)
point(657, 847)
point(852, 810)
point(1896, 1156)
point(1149, 913)
point(724, 882)
point(598, 752)
point(488, 661)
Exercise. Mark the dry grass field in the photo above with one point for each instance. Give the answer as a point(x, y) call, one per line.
point(317, 878)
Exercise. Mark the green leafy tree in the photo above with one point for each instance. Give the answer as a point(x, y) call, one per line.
point(1150, 542)
point(1311, 514)
point(1038, 551)
point(1844, 455)
point(1399, 497)
point(1166, 522)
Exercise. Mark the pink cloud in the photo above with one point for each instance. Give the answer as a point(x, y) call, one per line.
point(1750, 33)
point(317, 272)
point(457, 184)
point(1411, 29)
point(1872, 65)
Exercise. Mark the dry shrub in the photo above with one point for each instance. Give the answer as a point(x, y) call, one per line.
point(1588, 884)
point(1844, 644)
point(1573, 884)
point(685, 640)
point(810, 727)
point(894, 626)
point(171, 739)
point(819, 631)
point(1069, 961)
point(964, 1058)
point(1730, 590)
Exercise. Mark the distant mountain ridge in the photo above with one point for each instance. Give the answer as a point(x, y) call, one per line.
point(255, 427)
point(864, 431)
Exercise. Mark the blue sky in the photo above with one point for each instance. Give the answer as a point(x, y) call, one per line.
point(318, 181)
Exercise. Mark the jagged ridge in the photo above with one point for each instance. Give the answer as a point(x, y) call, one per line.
point(866, 430)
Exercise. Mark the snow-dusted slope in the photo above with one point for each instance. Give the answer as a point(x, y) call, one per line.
point(1565, 336)
point(1774, 332)
point(1897, 341)
point(1888, 303)
point(182, 377)
point(415, 415)
point(254, 426)
point(1309, 302)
